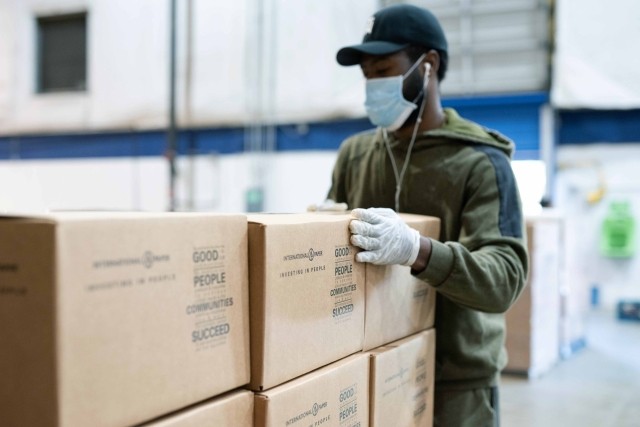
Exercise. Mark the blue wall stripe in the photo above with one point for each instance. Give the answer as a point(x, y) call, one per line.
point(516, 116)
point(598, 126)
point(528, 98)
point(319, 136)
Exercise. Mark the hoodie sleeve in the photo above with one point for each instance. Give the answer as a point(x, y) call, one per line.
point(486, 268)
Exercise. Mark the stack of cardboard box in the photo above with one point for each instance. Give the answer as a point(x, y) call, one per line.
point(115, 319)
point(312, 305)
point(121, 319)
point(399, 334)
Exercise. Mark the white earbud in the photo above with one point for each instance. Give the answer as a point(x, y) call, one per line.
point(427, 69)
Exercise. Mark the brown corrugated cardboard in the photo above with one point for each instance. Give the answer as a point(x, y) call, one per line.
point(533, 322)
point(334, 396)
point(111, 319)
point(307, 295)
point(234, 409)
point(397, 304)
point(401, 382)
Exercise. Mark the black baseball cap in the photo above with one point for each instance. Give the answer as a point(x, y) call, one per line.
point(395, 28)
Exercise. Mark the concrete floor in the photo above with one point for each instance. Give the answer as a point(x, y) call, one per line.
point(598, 386)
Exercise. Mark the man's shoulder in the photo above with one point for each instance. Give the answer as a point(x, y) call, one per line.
point(363, 137)
point(468, 131)
point(359, 142)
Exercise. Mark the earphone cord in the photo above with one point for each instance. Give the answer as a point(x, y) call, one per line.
point(400, 177)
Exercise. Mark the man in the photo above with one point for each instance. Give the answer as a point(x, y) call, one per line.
point(427, 160)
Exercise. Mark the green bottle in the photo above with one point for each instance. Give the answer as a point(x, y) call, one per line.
point(618, 229)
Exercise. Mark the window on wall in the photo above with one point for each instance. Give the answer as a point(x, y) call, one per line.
point(62, 53)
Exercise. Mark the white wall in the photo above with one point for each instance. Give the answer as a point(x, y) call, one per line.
point(596, 62)
point(103, 184)
point(292, 181)
point(128, 62)
point(583, 170)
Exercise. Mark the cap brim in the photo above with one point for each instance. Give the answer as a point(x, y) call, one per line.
point(351, 55)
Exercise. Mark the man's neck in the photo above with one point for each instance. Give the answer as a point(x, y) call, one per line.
point(432, 118)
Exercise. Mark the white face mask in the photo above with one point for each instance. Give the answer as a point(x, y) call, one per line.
point(385, 104)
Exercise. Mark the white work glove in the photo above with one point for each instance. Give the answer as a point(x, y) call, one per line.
point(328, 206)
point(384, 236)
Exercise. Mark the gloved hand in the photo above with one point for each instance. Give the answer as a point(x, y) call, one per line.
point(384, 236)
point(328, 206)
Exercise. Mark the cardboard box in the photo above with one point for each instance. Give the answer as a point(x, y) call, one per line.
point(334, 396)
point(234, 409)
point(533, 321)
point(397, 304)
point(307, 295)
point(113, 319)
point(402, 381)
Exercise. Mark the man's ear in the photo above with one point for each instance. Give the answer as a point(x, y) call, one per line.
point(433, 59)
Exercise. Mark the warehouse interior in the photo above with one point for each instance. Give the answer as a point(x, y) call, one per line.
point(228, 109)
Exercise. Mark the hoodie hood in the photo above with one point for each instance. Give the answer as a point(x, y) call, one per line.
point(459, 129)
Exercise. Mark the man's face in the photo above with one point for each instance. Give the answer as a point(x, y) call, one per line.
point(396, 64)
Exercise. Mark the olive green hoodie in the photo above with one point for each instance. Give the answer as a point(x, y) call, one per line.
point(460, 173)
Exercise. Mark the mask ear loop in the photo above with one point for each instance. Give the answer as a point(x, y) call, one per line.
point(399, 177)
point(414, 66)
